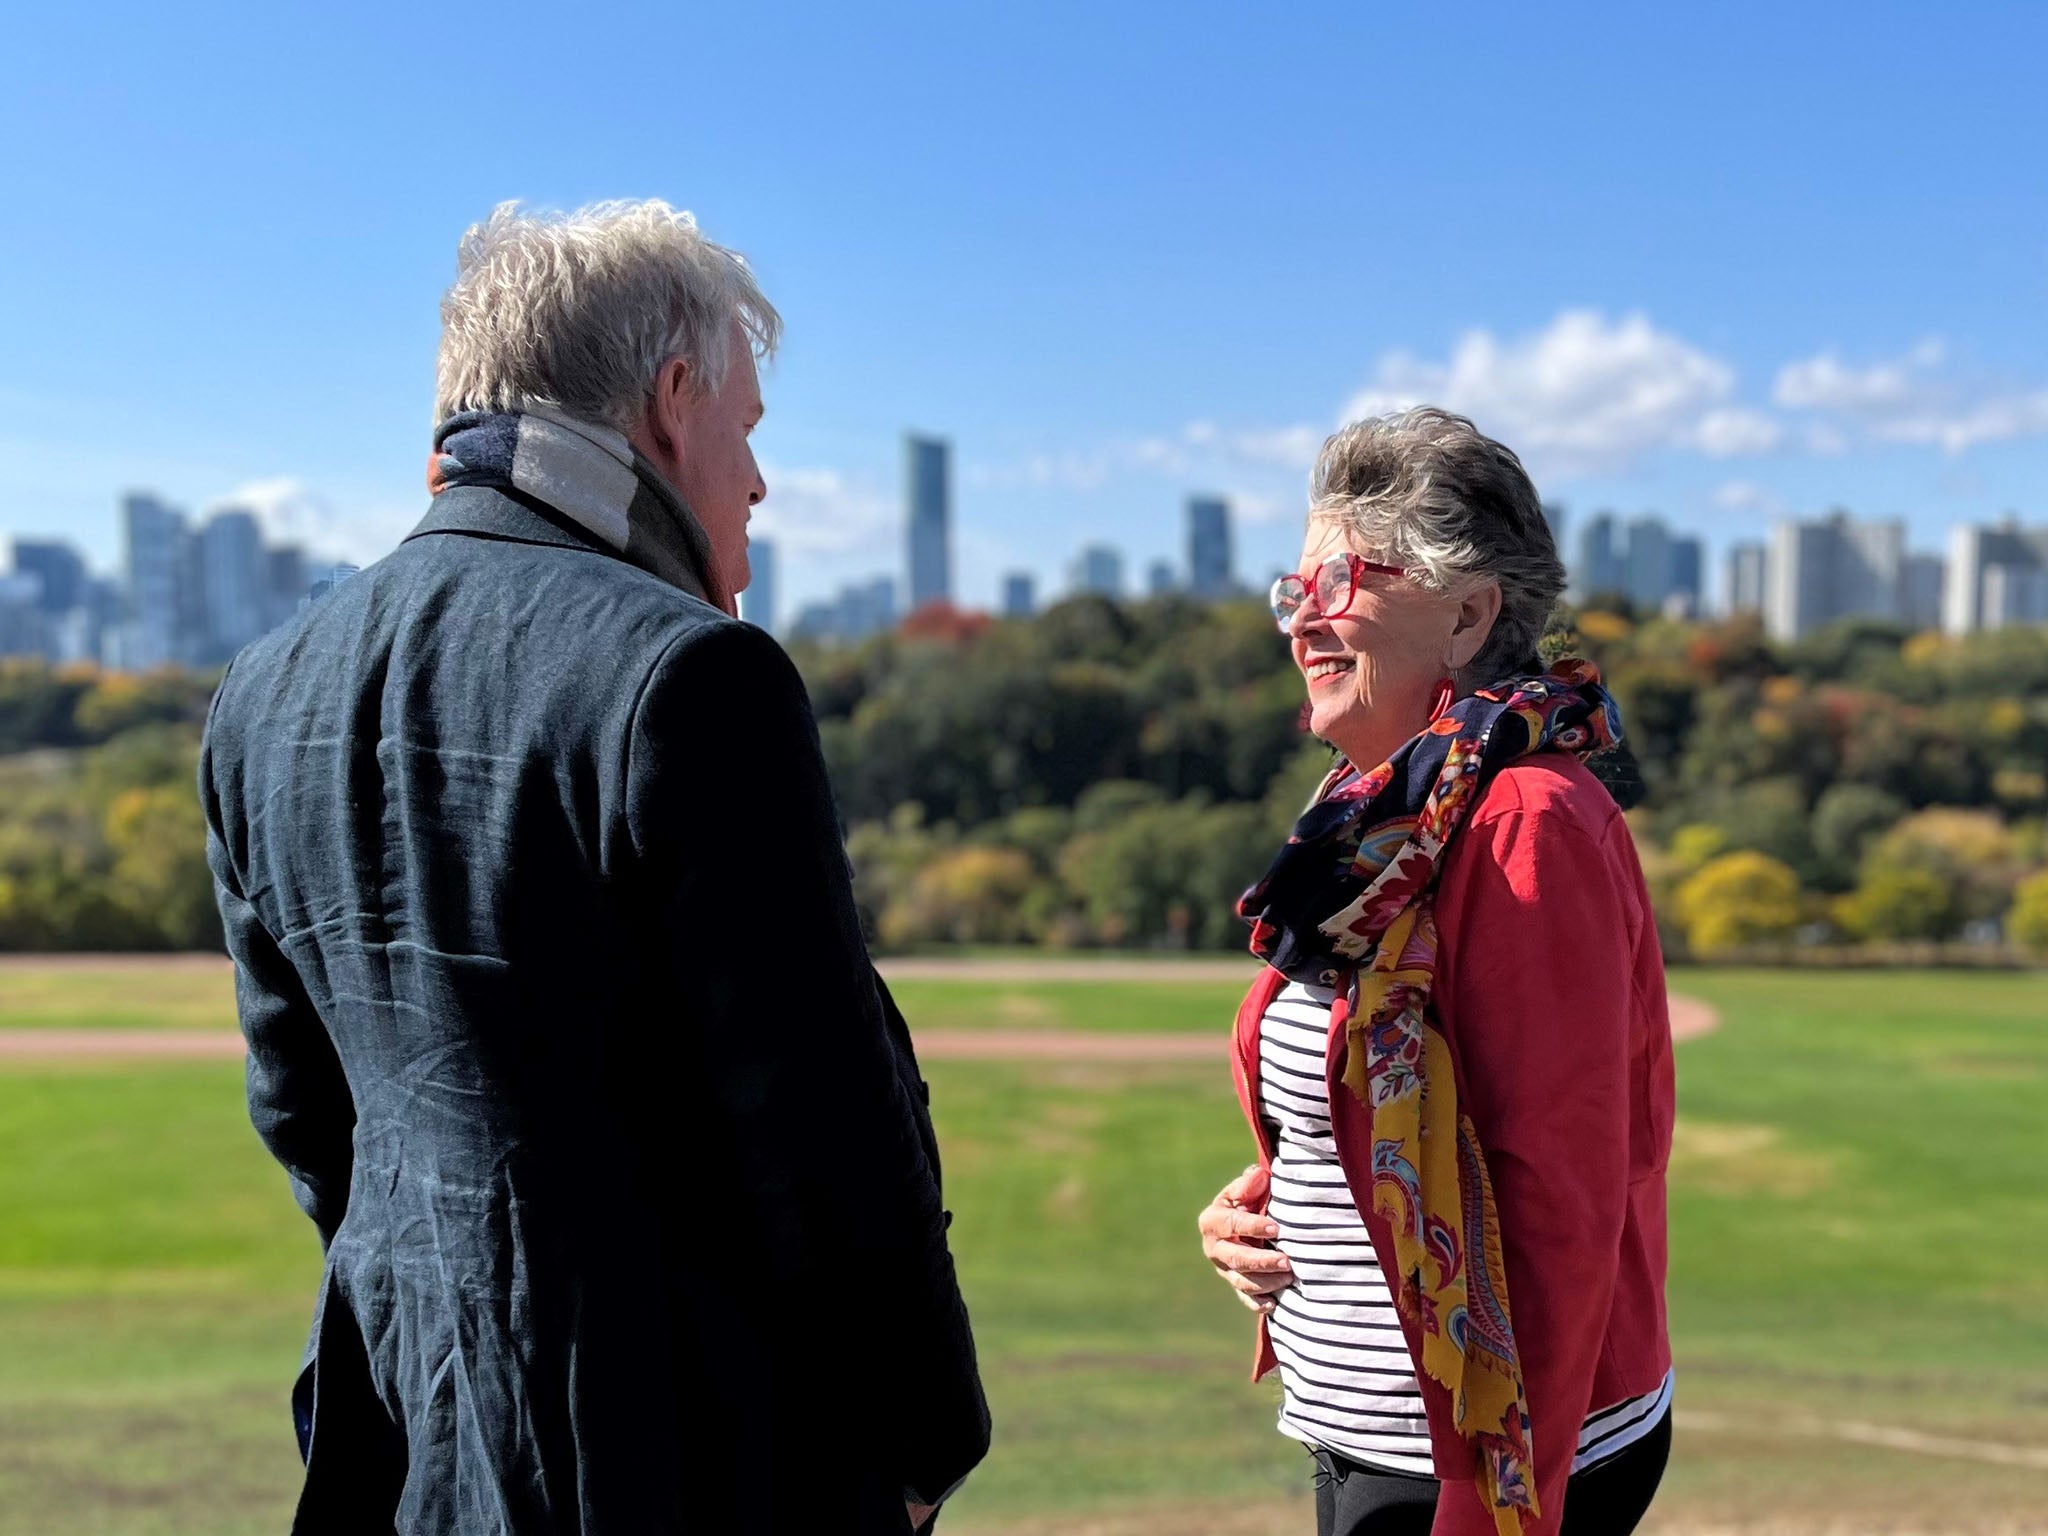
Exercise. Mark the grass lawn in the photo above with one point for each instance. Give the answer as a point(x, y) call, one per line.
point(1860, 1231)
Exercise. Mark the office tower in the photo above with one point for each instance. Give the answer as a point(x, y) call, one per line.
point(327, 578)
point(83, 632)
point(284, 583)
point(1836, 568)
point(928, 494)
point(1555, 517)
point(24, 626)
point(1160, 578)
point(2015, 594)
point(1020, 595)
point(1984, 560)
point(234, 583)
point(1209, 563)
point(1100, 570)
point(1747, 565)
point(156, 576)
point(1648, 563)
point(1601, 570)
point(757, 603)
point(58, 566)
point(1920, 584)
point(1688, 571)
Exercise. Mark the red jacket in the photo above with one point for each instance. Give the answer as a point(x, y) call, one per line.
point(1550, 992)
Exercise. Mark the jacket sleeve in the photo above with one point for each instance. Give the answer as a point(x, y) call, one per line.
point(732, 823)
point(1538, 931)
point(299, 1099)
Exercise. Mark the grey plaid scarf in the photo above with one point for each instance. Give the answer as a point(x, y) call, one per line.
point(590, 475)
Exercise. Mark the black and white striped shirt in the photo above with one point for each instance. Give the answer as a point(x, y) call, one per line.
point(1347, 1380)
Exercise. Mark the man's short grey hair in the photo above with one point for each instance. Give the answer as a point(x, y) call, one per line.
point(581, 310)
point(1426, 489)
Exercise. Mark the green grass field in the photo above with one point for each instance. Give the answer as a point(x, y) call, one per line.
point(1860, 1234)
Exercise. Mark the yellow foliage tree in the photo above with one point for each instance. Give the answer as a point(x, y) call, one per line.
point(1739, 899)
point(2027, 924)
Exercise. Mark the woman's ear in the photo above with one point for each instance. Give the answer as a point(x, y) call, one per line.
point(1476, 612)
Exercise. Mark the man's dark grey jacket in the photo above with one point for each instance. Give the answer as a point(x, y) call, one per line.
point(560, 1020)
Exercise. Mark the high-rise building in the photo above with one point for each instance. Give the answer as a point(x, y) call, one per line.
point(234, 583)
point(1601, 567)
point(2015, 594)
point(1020, 595)
point(757, 603)
point(1648, 562)
point(1688, 574)
point(1100, 570)
point(928, 496)
point(58, 566)
point(285, 583)
point(1209, 562)
point(1748, 564)
point(1558, 520)
point(1836, 568)
point(1161, 578)
point(1975, 553)
point(1920, 582)
point(24, 626)
point(157, 572)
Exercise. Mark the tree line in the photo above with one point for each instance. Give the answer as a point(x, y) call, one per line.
point(1110, 774)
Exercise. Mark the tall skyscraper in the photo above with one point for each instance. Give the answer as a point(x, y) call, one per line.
point(1648, 562)
point(1209, 562)
point(1836, 568)
point(285, 580)
point(1161, 578)
point(1100, 570)
point(157, 575)
point(1601, 569)
point(1920, 584)
point(60, 569)
point(1688, 574)
point(1555, 516)
point(24, 627)
point(1020, 595)
point(757, 603)
point(1747, 566)
point(928, 494)
point(234, 583)
point(1984, 563)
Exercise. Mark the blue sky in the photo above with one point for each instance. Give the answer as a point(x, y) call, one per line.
point(1732, 264)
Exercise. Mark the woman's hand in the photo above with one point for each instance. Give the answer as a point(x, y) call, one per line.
point(1232, 1239)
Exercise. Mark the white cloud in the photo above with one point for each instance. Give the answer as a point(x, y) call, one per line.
point(1748, 496)
point(1908, 400)
point(292, 512)
point(812, 512)
point(1584, 393)
point(1734, 431)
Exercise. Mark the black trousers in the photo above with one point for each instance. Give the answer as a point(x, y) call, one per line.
point(1608, 1499)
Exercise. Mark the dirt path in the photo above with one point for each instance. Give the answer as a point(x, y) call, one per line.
point(1689, 1018)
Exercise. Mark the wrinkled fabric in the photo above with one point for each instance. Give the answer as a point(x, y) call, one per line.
point(513, 841)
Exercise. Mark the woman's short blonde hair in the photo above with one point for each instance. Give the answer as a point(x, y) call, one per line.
point(581, 310)
point(1426, 489)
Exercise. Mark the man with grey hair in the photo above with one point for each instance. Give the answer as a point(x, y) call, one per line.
point(558, 1012)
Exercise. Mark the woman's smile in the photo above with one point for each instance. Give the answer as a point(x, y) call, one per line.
point(1323, 668)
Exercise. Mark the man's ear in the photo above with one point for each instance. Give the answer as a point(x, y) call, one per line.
point(1476, 613)
point(668, 410)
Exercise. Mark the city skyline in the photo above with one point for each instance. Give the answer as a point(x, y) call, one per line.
point(1806, 305)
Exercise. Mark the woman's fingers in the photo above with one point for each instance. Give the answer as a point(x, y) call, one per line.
point(1222, 1222)
point(1248, 1188)
point(1251, 1269)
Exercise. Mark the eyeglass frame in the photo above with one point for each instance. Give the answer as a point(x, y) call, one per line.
point(1357, 565)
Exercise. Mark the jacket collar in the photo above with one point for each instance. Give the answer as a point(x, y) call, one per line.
point(484, 512)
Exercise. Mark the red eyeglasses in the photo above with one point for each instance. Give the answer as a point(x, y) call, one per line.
point(1335, 585)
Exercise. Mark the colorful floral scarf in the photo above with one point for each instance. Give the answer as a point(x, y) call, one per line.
point(1348, 903)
